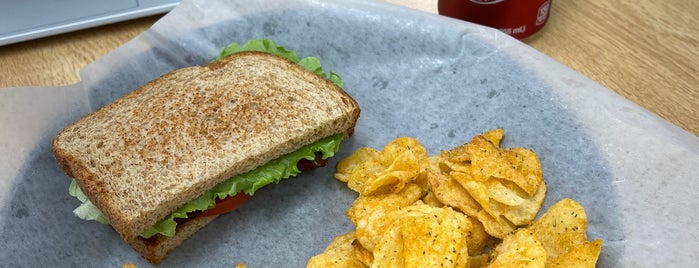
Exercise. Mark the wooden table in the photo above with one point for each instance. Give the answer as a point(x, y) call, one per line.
point(645, 50)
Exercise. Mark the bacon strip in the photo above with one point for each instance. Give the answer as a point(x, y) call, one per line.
point(306, 165)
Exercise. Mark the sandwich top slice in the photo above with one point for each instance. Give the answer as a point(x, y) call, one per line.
point(144, 156)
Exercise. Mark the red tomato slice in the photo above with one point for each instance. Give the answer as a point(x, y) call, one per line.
point(226, 205)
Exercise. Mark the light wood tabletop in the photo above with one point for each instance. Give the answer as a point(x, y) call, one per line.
point(645, 50)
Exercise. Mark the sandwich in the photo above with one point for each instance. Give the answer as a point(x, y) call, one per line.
point(164, 160)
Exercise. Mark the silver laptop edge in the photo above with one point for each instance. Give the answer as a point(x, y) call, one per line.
point(85, 21)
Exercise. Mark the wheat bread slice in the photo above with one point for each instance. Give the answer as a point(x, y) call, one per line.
point(156, 248)
point(141, 157)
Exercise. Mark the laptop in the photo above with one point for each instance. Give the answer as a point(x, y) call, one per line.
point(22, 20)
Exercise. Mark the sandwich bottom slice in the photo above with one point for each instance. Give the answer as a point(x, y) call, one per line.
point(156, 248)
point(170, 142)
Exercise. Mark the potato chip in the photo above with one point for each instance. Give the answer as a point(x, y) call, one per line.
point(583, 255)
point(498, 227)
point(403, 169)
point(518, 165)
point(563, 226)
point(524, 213)
point(365, 204)
point(431, 199)
point(389, 250)
point(368, 171)
point(339, 253)
point(375, 224)
point(433, 237)
point(478, 261)
point(484, 158)
point(362, 254)
point(525, 169)
point(477, 239)
point(497, 197)
point(424, 236)
point(461, 153)
point(348, 165)
point(433, 163)
point(421, 180)
point(400, 145)
point(479, 192)
point(494, 136)
point(506, 196)
point(461, 177)
point(456, 154)
point(362, 173)
point(450, 166)
point(448, 191)
point(502, 218)
point(341, 244)
point(520, 249)
point(371, 229)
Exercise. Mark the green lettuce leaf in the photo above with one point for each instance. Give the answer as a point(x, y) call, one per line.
point(261, 45)
point(311, 64)
point(86, 210)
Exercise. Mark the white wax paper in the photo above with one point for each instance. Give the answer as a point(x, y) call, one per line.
point(415, 74)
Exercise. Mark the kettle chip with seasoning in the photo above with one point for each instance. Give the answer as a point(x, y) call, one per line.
point(471, 206)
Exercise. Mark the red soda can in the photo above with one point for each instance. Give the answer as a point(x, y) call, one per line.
point(518, 18)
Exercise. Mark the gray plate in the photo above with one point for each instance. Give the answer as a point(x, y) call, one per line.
point(414, 74)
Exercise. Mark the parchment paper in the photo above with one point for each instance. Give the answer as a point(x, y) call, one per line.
point(416, 74)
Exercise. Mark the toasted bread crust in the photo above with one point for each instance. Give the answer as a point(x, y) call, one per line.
point(166, 143)
point(158, 247)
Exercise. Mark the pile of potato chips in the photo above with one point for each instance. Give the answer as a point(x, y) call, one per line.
point(471, 206)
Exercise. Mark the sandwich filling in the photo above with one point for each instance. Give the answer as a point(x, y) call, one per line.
point(308, 157)
point(272, 172)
